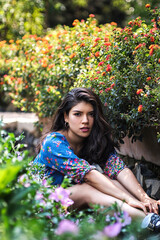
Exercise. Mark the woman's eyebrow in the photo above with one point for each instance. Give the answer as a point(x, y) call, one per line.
point(82, 111)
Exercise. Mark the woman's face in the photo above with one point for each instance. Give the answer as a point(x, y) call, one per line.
point(80, 120)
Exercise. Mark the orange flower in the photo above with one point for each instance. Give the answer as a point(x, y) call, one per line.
point(39, 104)
point(103, 73)
point(113, 23)
point(152, 39)
point(139, 91)
point(95, 44)
point(107, 44)
point(44, 65)
point(140, 108)
point(75, 22)
point(138, 68)
point(91, 15)
point(139, 45)
point(37, 92)
point(11, 41)
point(151, 51)
point(18, 41)
point(97, 54)
point(147, 5)
point(112, 85)
point(32, 58)
point(82, 45)
point(106, 39)
point(66, 47)
point(148, 78)
point(112, 77)
point(51, 65)
point(72, 55)
point(107, 89)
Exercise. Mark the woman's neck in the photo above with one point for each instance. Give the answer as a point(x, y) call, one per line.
point(75, 143)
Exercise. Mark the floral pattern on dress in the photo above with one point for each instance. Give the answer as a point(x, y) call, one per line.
point(114, 166)
point(59, 160)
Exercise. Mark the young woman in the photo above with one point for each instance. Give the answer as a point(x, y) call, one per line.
point(79, 145)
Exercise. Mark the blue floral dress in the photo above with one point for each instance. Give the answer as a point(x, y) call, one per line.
point(59, 160)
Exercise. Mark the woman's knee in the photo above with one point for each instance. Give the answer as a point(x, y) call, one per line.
point(82, 193)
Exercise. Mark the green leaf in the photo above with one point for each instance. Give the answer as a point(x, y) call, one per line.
point(7, 175)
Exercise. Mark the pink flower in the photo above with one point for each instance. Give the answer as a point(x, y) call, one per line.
point(108, 69)
point(38, 196)
point(107, 89)
point(112, 230)
point(139, 91)
point(100, 63)
point(66, 226)
point(61, 195)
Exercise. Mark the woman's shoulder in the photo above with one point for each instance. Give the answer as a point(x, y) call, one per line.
point(55, 137)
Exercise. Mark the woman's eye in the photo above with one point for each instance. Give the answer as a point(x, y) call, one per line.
point(77, 114)
point(91, 114)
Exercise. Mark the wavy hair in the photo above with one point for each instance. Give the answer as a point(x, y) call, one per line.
point(99, 144)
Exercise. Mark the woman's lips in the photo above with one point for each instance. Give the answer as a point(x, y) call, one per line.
point(85, 129)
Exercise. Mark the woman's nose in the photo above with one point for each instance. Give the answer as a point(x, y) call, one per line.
point(85, 118)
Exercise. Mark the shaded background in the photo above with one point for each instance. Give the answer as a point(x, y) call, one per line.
point(18, 17)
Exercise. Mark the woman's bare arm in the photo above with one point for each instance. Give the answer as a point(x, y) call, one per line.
point(105, 185)
point(129, 181)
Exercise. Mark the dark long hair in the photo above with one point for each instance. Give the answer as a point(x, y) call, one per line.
point(99, 144)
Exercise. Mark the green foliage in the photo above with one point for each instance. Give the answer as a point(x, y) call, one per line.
point(19, 17)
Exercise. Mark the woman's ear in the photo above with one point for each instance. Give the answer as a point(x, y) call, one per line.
point(65, 117)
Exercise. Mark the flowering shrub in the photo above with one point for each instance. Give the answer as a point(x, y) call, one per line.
point(37, 71)
point(126, 76)
point(121, 65)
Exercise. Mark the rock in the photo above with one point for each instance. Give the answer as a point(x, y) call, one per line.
point(153, 188)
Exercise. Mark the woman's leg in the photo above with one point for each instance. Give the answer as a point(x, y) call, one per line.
point(84, 194)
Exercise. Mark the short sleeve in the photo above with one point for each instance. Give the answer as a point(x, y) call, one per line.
point(114, 166)
point(57, 154)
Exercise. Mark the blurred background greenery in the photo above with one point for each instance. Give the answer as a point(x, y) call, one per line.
point(18, 17)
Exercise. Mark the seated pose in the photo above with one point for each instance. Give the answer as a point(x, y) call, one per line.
point(79, 145)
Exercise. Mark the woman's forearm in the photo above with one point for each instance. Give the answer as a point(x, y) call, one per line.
point(103, 184)
point(129, 181)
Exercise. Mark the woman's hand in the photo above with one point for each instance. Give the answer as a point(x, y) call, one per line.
point(151, 204)
point(137, 204)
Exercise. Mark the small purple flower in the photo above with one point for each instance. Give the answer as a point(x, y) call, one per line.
point(124, 219)
point(112, 230)
point(66, 226)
